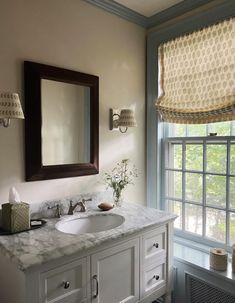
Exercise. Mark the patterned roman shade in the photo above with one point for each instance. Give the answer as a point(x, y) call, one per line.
point(197, 76)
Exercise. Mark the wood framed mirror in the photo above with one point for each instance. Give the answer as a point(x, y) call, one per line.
point(61, 122)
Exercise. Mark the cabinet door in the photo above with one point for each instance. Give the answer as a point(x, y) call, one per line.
point(115, 274)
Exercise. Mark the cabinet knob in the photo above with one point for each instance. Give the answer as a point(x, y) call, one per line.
point(155, 245)
point(66, 284)
point(156, 277)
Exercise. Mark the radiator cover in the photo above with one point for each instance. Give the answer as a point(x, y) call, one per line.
point(199, 291)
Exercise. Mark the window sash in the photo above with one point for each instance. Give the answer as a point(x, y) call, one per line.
point(209, 129)
point(227, 208)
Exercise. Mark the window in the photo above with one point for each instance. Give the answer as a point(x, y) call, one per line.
point(200, 179)
point(157, 166)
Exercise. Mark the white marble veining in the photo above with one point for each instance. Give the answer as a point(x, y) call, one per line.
point(40, 246)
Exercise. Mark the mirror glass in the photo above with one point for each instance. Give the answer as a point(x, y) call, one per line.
point(65, 123)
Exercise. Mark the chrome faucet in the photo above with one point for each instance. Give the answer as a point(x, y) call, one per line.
point(57, 210)
point(72, 207)
point(81, 204)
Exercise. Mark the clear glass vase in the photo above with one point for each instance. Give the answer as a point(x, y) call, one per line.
point(117, 198)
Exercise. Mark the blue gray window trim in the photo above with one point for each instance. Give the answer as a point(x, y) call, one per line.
point(155, 129)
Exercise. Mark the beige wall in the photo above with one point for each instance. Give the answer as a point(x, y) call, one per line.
point(76, 35)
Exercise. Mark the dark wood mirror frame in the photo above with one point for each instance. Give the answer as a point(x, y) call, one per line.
point(33, 73)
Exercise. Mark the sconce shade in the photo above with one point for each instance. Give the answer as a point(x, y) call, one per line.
point(127, 118)
point(10, 106)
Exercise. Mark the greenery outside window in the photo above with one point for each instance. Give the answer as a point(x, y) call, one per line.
point(199, 178)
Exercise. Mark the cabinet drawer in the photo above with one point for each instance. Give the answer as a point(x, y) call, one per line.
point(154, 277)
point(154, 245)
point(67, 282)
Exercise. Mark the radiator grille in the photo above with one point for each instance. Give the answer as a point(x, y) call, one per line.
point(202, 292)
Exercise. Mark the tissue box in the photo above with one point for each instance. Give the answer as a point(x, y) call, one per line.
point(15, 217)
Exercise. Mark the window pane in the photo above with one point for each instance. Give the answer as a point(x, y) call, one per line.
point(221, 128)
point(232, 228)
point(193, 218)
point(215, 224)
point(176, 208)
point(175, 156)
point(177, 130)
point(233, 128)
point(197, 130)
point(216, 158)
point(174, 184)
point(201, 130)
point(232, 192)
point(194, 157)
point(232, 159)
point(216, 190)
point(192, 192)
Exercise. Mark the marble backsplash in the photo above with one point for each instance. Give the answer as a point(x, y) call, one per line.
point(40, 210)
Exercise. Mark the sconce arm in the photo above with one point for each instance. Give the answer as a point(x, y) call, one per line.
point(5, 122)
point(115, 124)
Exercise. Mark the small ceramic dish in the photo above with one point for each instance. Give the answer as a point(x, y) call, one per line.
point(105, 206)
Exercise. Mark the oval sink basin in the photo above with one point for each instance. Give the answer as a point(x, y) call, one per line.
point(91, 224)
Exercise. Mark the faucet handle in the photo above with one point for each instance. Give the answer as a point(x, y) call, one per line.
point(82, 205)
point(71, 208)
point(86, 200)
point(58, 211)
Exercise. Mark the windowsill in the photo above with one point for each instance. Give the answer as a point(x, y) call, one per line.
point(197, 255)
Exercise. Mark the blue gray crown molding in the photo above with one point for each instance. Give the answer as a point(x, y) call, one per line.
point(121, 11)
point(148, 22)
point(175, 11)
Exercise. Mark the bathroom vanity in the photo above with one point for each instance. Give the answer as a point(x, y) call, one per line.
point(128, 263)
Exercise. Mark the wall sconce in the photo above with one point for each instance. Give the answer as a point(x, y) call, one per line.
point(10, 108)
point(122, 118)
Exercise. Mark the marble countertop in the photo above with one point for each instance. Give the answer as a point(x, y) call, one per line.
point(36, 247)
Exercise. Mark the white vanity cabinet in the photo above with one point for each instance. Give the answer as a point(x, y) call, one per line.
point(137, 268)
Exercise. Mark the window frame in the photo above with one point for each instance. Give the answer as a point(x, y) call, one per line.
point(203, 140)
point(154, 128)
